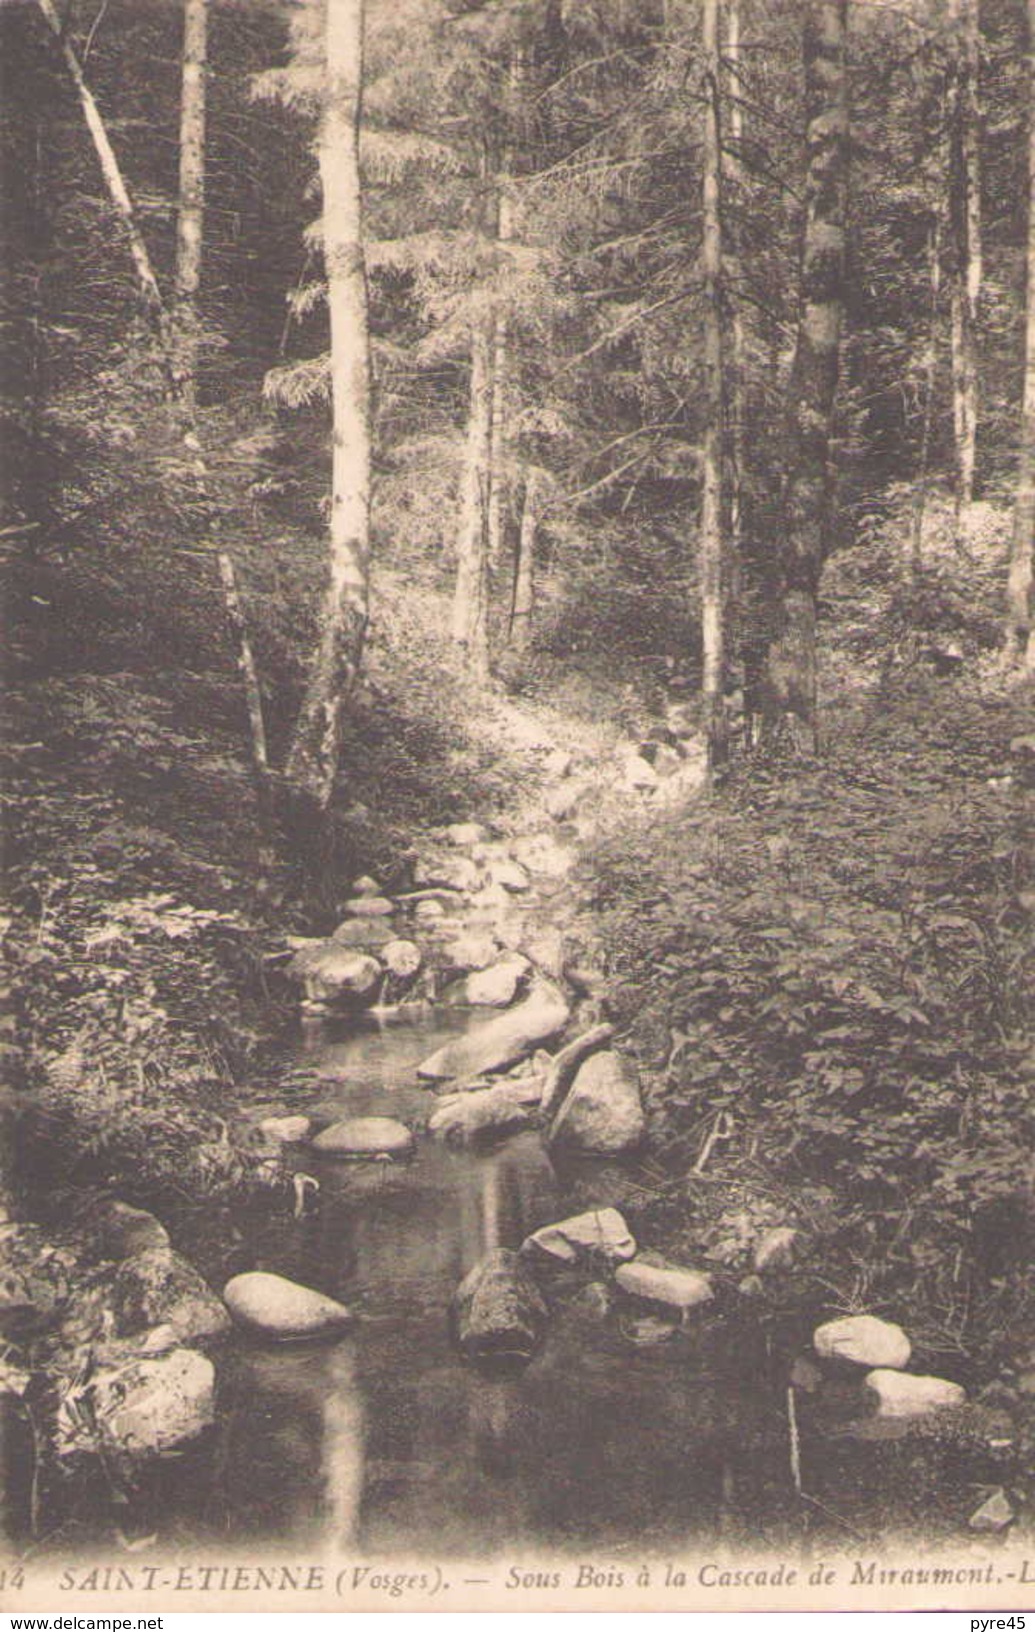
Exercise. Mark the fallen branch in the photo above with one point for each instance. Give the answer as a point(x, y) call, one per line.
point(561, 1071)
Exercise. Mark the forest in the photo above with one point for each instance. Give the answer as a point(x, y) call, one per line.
point(518, 542)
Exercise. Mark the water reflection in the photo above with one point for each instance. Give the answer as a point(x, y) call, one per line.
point(291, 1456)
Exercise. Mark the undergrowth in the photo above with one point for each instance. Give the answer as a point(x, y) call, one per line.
point(831, 966)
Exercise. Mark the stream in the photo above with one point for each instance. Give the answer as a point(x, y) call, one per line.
point(387, 1442)
point(624, 1436)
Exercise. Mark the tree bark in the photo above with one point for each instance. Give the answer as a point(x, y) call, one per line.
point(966, 255)
point(499, 485)
point(789, 700)
point(470, 627)
point(246, 664)
point(934, 250)
point(735, 392)
point(313, 759)
point(499, 477)
point(712, 484)
point(523, 602)
point(1021, 586)
point(190, 218)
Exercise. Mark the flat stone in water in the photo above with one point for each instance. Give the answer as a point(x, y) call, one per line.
point(369, 906)
point(601, 1234)
point(276, 1307)
point(664, 1283)
point(863, 1340)
point(365, 1136)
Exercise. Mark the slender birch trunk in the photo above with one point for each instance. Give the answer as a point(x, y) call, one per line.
point(712, 485)
point(190, 217)
point(112, 175)
point(790, 691)
point(523, 603)
point(1021, 588)
point(313, 759)
point(972, 152)
point(470, 623)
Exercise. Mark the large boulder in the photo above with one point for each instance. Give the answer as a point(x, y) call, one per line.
point(148, 1407)
point(679, 1288)
point(498, 1312)
point(497, 985)
point(901, 1394)
point(862, 1340)
point(603, 1112)
point(365, 1137)
point(601, 1236)
point(331, 973)
point(502, 1041)
point(159, 1288)
point(276, 1307)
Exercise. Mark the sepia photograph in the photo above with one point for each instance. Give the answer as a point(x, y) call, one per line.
point(517, 538)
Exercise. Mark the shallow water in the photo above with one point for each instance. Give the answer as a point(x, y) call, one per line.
point(387, 1441)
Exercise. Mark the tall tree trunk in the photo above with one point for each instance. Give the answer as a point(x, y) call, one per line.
point(735, 393)
point(934, 252)
point(470, 627)
point(313, 759)
point(712, 482)
point(190, 218)
point(523, 602)
point(966, 256)
point(112, 175)
point(790, 689)
point(1021, 590)
point(972, 152)
point(498, 495)
point(515, 133)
